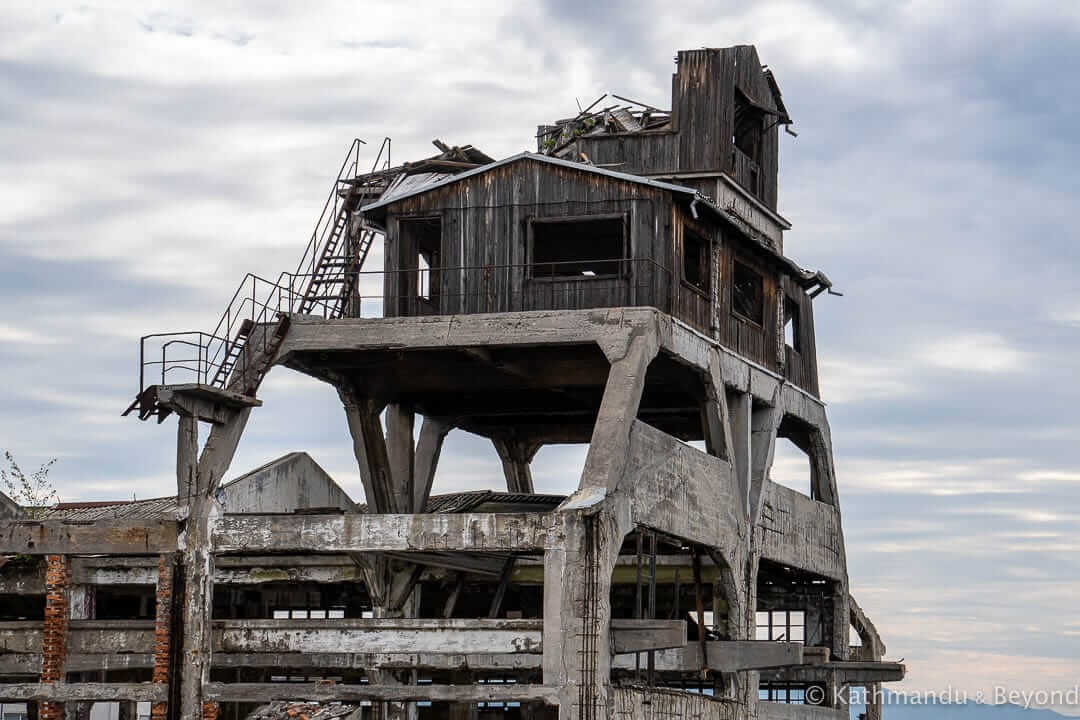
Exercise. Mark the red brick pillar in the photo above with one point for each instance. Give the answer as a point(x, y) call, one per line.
point(210, 710)
point(162, 633)
point(54, 630)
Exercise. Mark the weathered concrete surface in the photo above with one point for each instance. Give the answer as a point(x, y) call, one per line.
point(383, 635)
point(227, 570)
point(643, 703)
point(66, 692)
point(784, 711)
point(284, 485)
point(481, 532)
point(801, 532)
point(57, 537)
point(841, 673)
point(22, 578)
point(261, 692)
point(679, 490)
point(724, 656)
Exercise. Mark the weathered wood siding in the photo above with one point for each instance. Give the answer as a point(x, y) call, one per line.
point(485, 241)
point(703, 124)
point(801, 367)
point(759, 342)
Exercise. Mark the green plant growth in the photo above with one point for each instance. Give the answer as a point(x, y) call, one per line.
point(34, 492)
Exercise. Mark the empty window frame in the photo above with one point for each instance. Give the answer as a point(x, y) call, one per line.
point(781, 625)
point(576, 248)
point(792, 324)
point(749, 127)
point(747, 293)
point(422, 238)
point(695, 265)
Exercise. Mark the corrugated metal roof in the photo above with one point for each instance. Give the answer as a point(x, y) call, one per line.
point(112, 510)
point(559, 162)
point(481, 500)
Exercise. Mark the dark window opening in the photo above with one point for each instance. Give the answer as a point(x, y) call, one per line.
point(696, 260)
point(125, 602)
point(577, 248)
point(792, 325)
point(748, 294)
point(749, 127)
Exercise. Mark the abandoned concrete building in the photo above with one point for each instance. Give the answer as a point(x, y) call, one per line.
point(624, 287)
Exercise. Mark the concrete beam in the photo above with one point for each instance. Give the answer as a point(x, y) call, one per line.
point(724, 656)
point(481, 532)
point(382, 635)
point(263, 692)
point(90, 692)
point(112, 537)
point(843, 673)
point(608, 328)
point(634, 636)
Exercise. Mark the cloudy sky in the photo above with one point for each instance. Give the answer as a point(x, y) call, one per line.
point(151, 155)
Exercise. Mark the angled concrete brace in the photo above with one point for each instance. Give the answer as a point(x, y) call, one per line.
point(764, 424)
point(516, 455)
point(369, 446)
point(429, 445)
point(716, 415)
point(610, 444)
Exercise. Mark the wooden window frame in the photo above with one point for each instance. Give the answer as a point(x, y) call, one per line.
point(706, 267)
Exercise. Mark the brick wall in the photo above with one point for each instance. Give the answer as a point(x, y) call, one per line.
point(162, 632)
point(210, 710)
point(54, 630)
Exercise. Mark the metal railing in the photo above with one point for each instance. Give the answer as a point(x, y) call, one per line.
point(511, 287)
point(204, 357)
point(242, 333)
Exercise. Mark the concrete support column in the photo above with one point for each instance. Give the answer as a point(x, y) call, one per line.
point(55, 629)
point(577, 615)
point(516, 456)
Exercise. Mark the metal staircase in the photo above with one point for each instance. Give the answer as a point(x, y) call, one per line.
point(237, 354)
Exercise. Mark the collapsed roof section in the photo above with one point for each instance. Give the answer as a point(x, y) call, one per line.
point(387, 181)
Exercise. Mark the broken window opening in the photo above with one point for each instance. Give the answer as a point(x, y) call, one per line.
point(695, 260)
point(577, 248)
point(749, 127)
point(748, 294)
point(792, 324)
